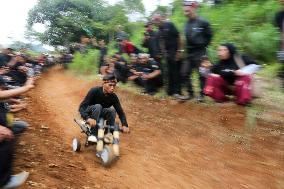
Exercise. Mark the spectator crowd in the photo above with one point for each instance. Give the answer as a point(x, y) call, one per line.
point(18, 72)
point(170, 61)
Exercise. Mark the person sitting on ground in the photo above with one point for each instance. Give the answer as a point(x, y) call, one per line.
point(133, 62)
point(128, 47)
point(205, 66)
point(9, 105)
point(227, 72)
point(6, 56)
point(99, 102)
point(147, 74)
point(120, 58)
point(118, 67)
point(7, 139)
point(18, 71)
point(6, 155)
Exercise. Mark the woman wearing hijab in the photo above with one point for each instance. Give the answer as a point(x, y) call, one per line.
point(227, 78)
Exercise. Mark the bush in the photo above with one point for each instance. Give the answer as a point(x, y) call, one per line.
point(262, 43)
point(85, 63)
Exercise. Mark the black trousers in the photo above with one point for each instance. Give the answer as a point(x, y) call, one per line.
point(281, 75)
point(150, 85)
point(6, 158)
point(121, 72)
point(97, 111)
point(173, 73)
point(193, 63)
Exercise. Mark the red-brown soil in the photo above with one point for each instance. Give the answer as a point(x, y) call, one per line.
point(171, 145)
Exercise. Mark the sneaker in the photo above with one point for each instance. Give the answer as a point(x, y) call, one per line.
point(200, 98)
point(17, 180)
point(185, 97)
point(176, 96)
point(92, 138)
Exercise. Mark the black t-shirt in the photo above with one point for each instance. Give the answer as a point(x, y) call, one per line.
point(152, 44)
point(147, 68)
point(97, 96)
point(169, 36)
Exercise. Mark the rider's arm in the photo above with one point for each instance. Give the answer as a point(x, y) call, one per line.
point(86, 102)
point(120, 112)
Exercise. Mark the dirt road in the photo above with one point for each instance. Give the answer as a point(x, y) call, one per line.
point(171, 145)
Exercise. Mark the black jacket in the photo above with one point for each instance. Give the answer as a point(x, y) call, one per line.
point(198, 34)
point(152, 44)
point(169, 36)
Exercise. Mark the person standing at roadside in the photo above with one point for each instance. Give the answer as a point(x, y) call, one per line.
point(169, 40)
point(198, 35)
point(279, 21)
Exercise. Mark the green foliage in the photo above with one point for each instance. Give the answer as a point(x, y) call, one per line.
point(68, 18)
point(136, 31)
point(262, 43)
point(85, 63)
point(270, 71)
point(73, 18)
point(248, 25)
point(134, 6)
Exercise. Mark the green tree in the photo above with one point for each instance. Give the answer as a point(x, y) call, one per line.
point(134, 6)
point(67, 20)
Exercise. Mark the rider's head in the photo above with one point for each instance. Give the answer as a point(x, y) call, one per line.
point(109, 83)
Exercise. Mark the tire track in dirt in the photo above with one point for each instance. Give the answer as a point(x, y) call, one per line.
point(170, 146)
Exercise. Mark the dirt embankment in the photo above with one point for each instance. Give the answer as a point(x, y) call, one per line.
point(171, 145)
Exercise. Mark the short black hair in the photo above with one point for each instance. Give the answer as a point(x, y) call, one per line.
point(109, 78)
point(204, 57)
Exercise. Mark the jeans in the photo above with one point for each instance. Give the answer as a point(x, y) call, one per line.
point(97, 111)
point(19, 126)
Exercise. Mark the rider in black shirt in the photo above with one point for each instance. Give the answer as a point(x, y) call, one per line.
point(98, 102)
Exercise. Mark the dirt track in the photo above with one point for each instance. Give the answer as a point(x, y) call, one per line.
point(171, 145)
